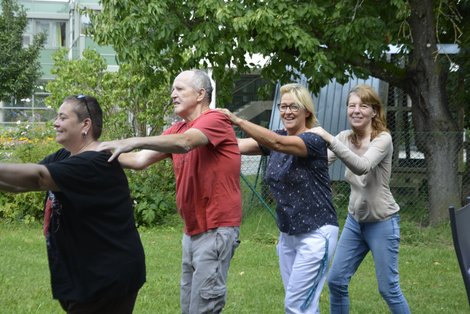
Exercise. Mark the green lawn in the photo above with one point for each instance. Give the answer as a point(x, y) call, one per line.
point(430, 278)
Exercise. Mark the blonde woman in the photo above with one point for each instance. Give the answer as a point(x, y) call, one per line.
point(297, 174)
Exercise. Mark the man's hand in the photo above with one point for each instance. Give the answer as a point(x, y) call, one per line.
point(116, 147)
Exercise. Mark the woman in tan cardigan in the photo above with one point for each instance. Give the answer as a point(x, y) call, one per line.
point(373, 222)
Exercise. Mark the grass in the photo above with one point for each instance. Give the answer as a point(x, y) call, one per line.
point(430, 277)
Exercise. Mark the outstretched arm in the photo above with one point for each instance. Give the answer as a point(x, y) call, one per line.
point(141, 159)
point(26, 177)
point(248, 146)
point(293, 145)
point(165, 144)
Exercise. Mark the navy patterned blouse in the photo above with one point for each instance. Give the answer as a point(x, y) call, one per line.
point(301, 187)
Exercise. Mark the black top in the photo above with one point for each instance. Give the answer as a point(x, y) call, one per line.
point(301, 187)
point(93, 246)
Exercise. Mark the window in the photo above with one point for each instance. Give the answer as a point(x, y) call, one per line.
point(28, 34)
point(26, 110)
point(55, 31)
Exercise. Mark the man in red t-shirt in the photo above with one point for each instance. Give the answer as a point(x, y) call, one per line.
point(206, 163)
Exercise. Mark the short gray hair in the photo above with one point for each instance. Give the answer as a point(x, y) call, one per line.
point(202, 80)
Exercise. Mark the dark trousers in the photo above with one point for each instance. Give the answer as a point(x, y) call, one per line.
point(121, 305)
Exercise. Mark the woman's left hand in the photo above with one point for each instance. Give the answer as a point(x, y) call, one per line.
point(323, 133)
point(232, 117)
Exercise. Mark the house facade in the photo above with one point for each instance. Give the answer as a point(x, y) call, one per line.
point(64, 27)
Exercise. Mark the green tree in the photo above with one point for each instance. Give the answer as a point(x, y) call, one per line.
point(19, 66)
point(129, 94)
point(458, 87)
point(321, 39)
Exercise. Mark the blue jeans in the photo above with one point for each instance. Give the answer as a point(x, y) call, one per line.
point(356, 240)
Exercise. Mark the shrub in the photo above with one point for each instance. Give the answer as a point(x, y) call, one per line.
point(25, 144)
point(153, 193)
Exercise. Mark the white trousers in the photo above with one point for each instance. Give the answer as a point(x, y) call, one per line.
point(303, 261)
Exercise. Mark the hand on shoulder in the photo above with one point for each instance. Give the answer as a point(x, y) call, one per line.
point(231, 116)
point(115, 147)
point(322, 133)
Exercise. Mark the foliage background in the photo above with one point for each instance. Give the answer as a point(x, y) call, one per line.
point(132, 106)
point(322, 40)
point(19, 66)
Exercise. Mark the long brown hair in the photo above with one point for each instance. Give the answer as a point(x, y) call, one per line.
point(370, 97)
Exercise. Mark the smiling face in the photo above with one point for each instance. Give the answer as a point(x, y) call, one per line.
point(360, 115)
point(294, 121)
point(68, 129)
point(184, 96)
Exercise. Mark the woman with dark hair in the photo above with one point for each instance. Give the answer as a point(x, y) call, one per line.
point(373, 222)
point(96, 258)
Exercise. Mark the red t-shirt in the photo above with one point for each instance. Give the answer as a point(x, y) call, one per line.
point(208, 177)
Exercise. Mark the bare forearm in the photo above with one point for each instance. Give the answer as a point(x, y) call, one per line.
point(164, 144)
point(141, 160)
point(173, 144)
point(293, 145)
point(248, 146)
point(260, 134)
point(25, 177)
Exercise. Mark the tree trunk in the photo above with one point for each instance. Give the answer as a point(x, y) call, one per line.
point(437, 134)
point(444, 183)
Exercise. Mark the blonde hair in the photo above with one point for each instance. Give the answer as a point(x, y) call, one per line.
point(370, 97)
point(304, 99)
